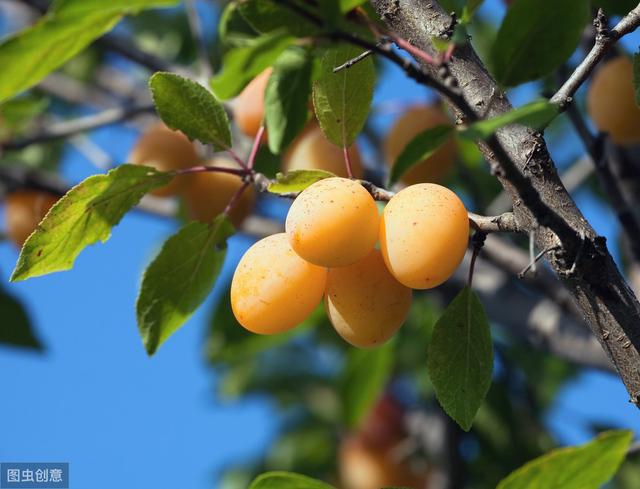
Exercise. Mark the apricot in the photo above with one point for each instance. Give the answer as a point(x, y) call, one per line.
point(414, 121)
point(248, 106)
point(208, 193)
point(273, 289)
point(365, 304)
point(362, 466)
point(333, 223)
point(311, 150)
point(423, 235)
point(611, 101)
point(165, 150)
point(24, 209)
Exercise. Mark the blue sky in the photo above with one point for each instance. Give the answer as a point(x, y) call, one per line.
point(96, 400)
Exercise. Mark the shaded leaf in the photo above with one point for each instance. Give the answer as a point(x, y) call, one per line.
point(267, 16)
point(180, 278)
point(342, 100)
point(297, 180)
point(536, 37)
point(84, 216)
point(460, 359)
point(233, 29)
point(15, 327)
point(419, 149)
point(241, 64)
point(287, 480)
point(583, 467)
point(286, 97)
point(189, 107)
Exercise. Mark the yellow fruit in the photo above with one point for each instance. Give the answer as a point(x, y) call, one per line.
point(611, 101)
point(248, 107)
point(165, 150)
point(414, 121)
point(23, 212)
point(333, 223)
point(365, 303)
point(208, 193)
point(423, 235)
point(313, 151)
point(273, 289)
point(362, 466)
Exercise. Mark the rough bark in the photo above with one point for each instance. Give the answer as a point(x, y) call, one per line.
point(584, 264)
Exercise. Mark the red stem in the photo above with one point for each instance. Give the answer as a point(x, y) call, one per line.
point(255, 147)
point(347, 161)
point(201, 169)
point(234, 200)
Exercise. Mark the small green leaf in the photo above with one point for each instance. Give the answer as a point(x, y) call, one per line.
point(189, 107)
point(536, 37)
point(287, 480)
point(241, 64)
point(536, 115)
point(31, 54)
point(636, 76)
point(297, 180)
point(233, 29)
point(419, 149)
point(348, 5)
point(460, 359)
point(342, 100)
point(587, 466)
point(470, 10)
point(84, 216)
point(286, 97)
point(180, 278)
point(15, 327)
point(267, 16)
point(370, 371)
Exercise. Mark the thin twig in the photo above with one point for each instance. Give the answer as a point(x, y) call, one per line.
point(254, 149)
point(347, 161)
point(353, 61)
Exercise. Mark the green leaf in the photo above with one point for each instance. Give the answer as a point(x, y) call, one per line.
point(470, 10)
point(31, 54)
point(186, 105)
point(587, 466)
point(286, 97)
point(419, 149)
point(15, 327)
point(636, 76)
point(536, 37)
point(297, 180)
point(370, 371)
point(84, 216)
point(342, 100)
point(16, 114)
point(233, 29)
point(287, 480)
point(460, 359)
point(267, 16)
point(180, 278)
point(348, 5)
point(536, 115)
point(241, 64)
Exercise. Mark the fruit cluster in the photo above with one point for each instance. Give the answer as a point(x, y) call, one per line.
point(328, 250)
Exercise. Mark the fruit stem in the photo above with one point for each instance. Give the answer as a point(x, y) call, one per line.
point(241, 172)
point(477, 241)
point(237, 159)
point(235, 198)
point(347, 161)
point(255, 147)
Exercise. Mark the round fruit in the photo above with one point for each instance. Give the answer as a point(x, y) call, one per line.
point(362, 466)
point(165, 150)
point(611, 101)
point(208, 194)
point(414, 121)
point(333, 223)
point(273, 289)
point(24, 210)
point(313, 151)
point(424, 233)
point(365, 304)
point(248, 107)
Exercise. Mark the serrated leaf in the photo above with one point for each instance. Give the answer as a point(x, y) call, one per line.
point(342, 100)
point(297, 180)
point(286, 97)
point(587, 466)
point(31, 54)
point(180, 278)
point(267, 16)
point(241, 64)
point(15, 327)
point(536, 37)
point(636, 77)
point(536, 115)
point(419, 149)
point(189, 107)
point(84, 216)
point(287, 480)
point(370, 371)
point(460, 359)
